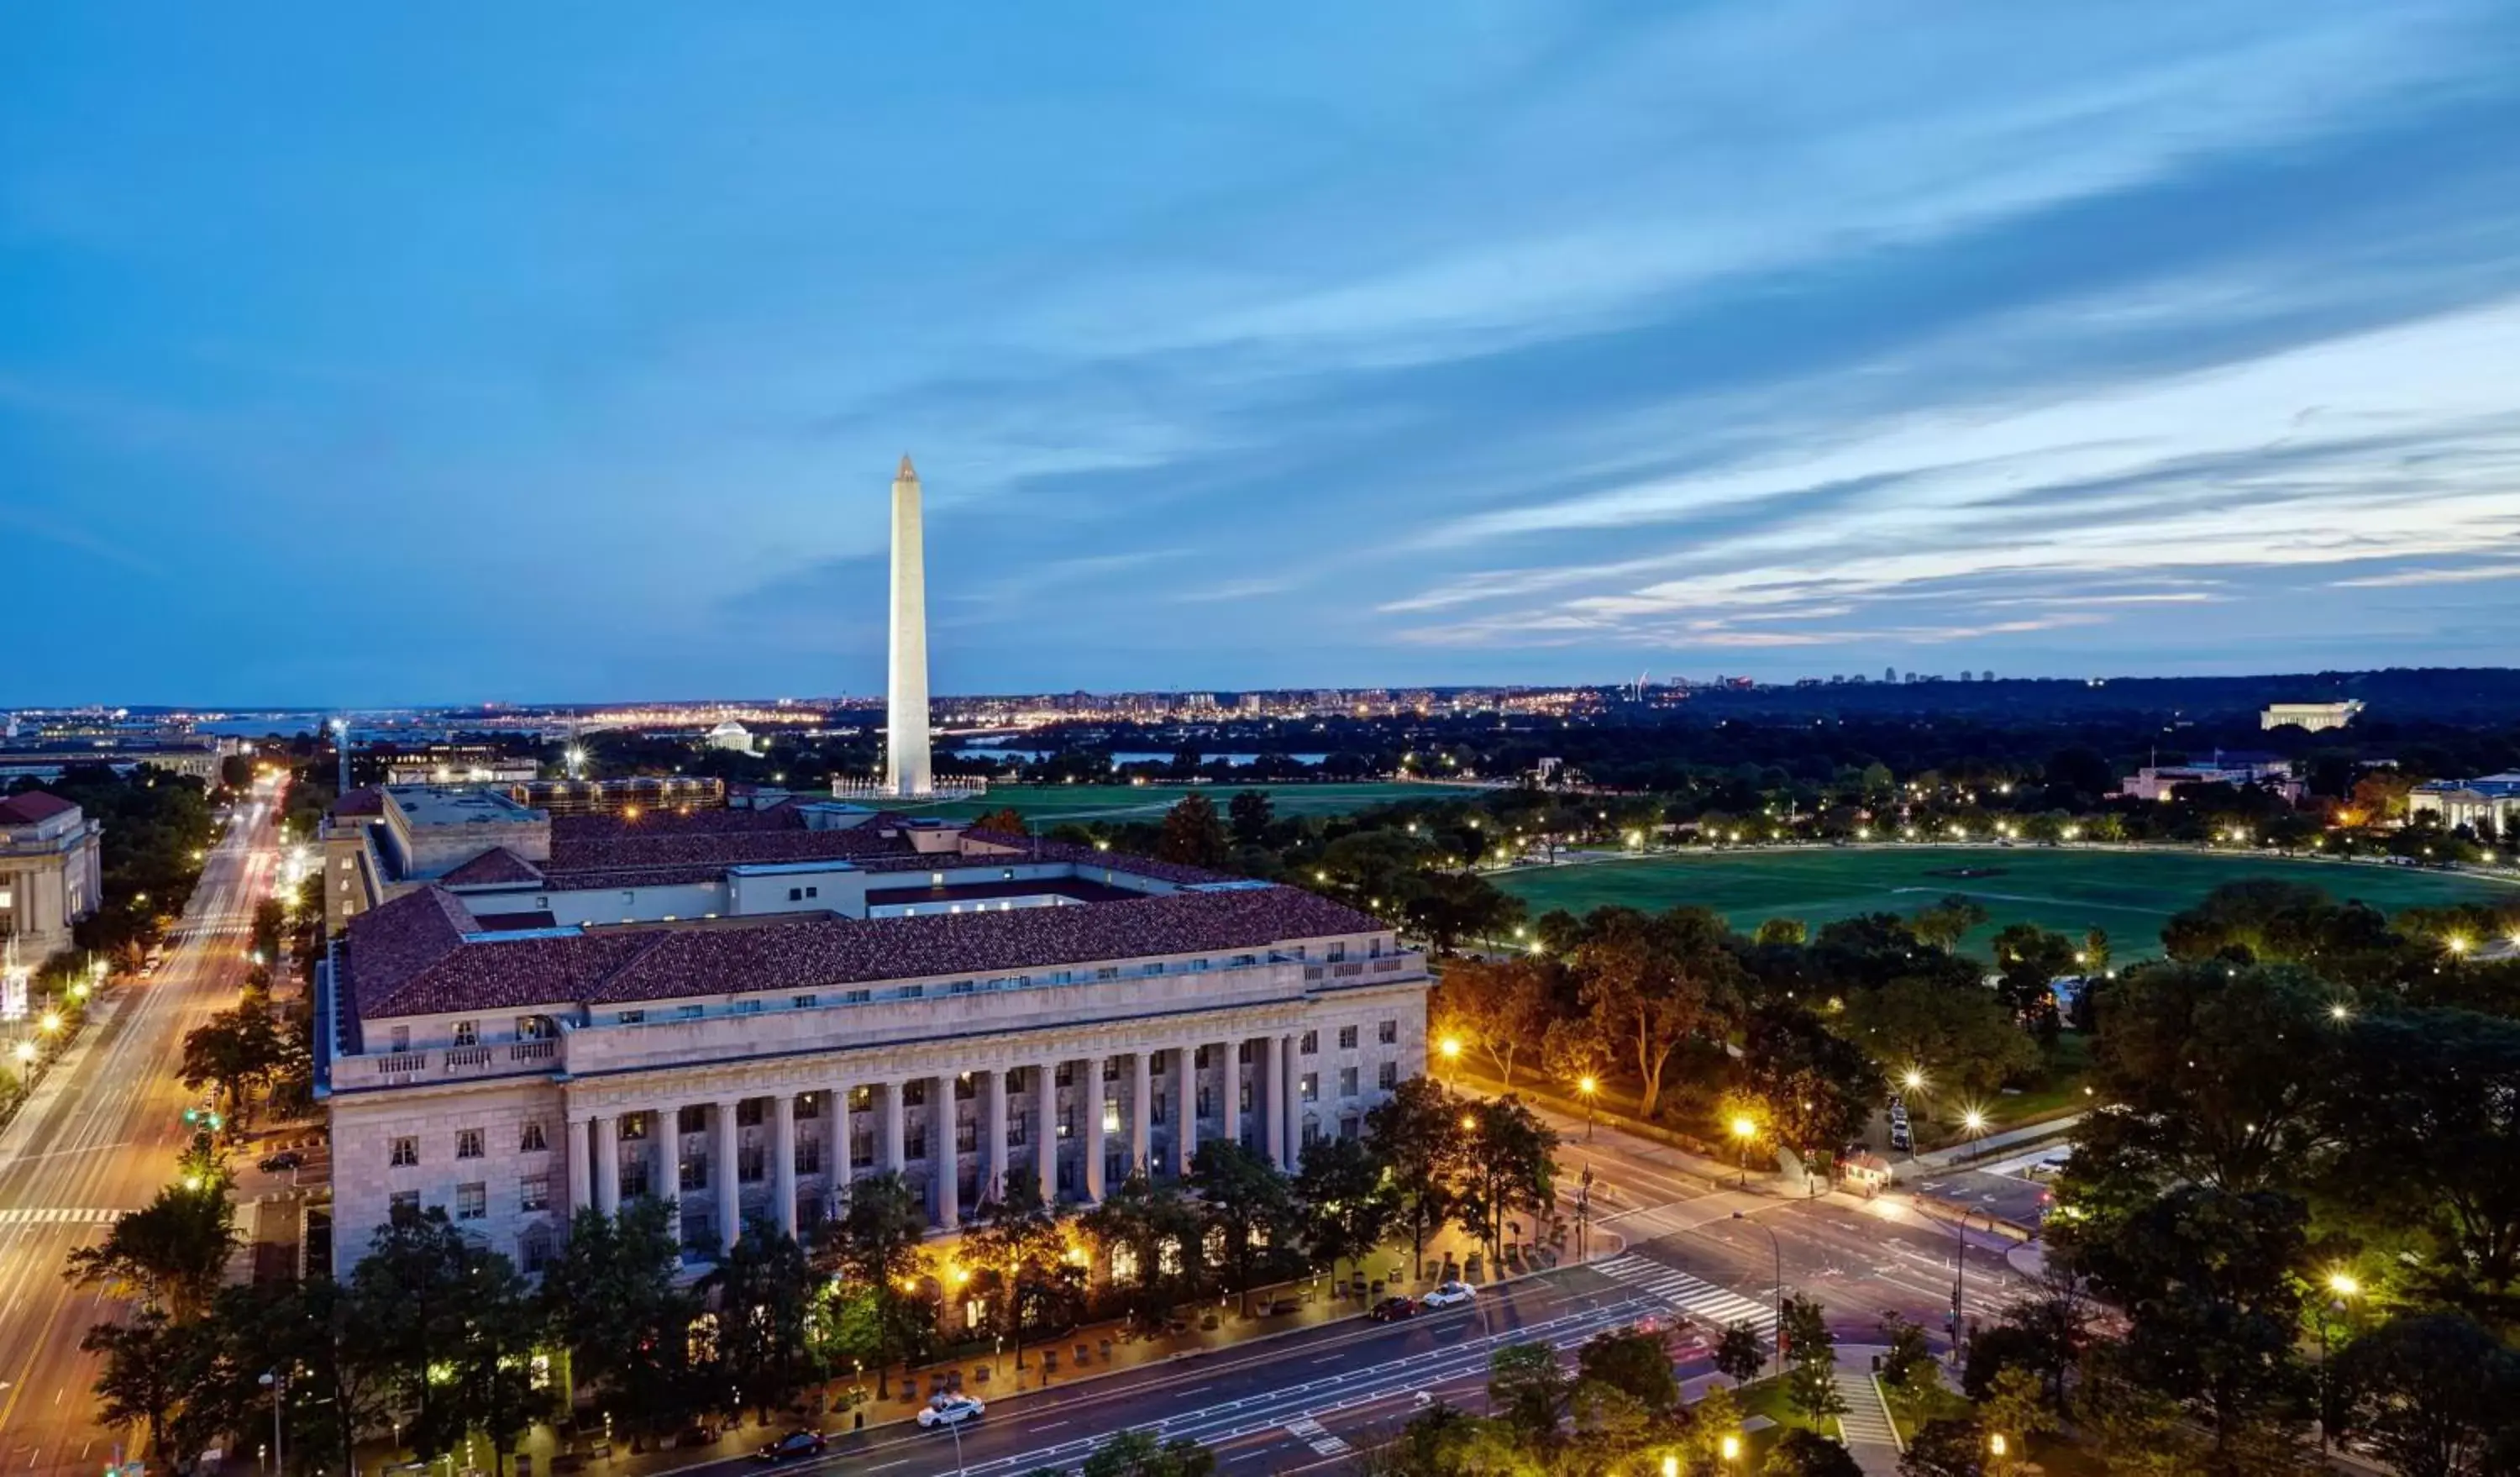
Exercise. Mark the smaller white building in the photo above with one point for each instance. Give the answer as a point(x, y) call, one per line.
point(2488, 805)
point(731, 735)
point(2312, 717)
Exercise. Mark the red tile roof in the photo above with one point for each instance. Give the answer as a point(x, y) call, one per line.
point(409, 957)
point(33, 807)
point(491, 867)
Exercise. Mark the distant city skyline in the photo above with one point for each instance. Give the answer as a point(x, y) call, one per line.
point(422, 358)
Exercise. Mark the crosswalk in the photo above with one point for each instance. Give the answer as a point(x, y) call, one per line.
point(1701, 1300)
point(58, 1215)
point(1312, 1433)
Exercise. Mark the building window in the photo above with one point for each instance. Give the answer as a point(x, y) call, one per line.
point(1017, 1135)
point(468, 1144)
point(1107, 971)
point(861, 1150)
point(1347, 1082)
point(534, 1248)
point(1347, 1038)
point(1243, 1096)
point(691, 1120)
point(1198, 1059)
point(747, 1112)
point(1155, 1108)
point(809, 1106)
point(687, 1012)
point(533, 1193)
point(634, 1127)
point(913, 1093)
point(1110, 1069)
point(1350, 1126)
point(914, 1144)
point(750, 1164)
point(795, 894)
point(532, 1027)
point(628, 1017)
point(1339, 952)
point(1110, 1115)
point(634, 1181)
point(1206, 1109)
point(1311, 1087)
point(748, 1007)
point(965, 1088)
point(1067, 1123)
point(404, 1154)
point(1308, 1043)
point(963, 987)
point(1066, 1073)
point(856, 997)
point(468, 1033)
point(401, 1039)
point(809, 1156)
point(530, 1139)
point(694, 1173)
point(802, 1002)
point(1387, 1076)
point(1162, 1063)
point(1388, 1033)
point(471, 1201)
point(402, 1205)
point(966, 1138)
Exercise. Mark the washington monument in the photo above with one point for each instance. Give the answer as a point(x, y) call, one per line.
point(905, 722)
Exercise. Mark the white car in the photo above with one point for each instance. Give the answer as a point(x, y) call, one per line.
point(950, 1410)
point(1450, 1295)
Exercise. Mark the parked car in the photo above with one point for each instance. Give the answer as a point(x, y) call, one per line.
point(700, 1433)
point(1392, 1310)
point(279, 1163)
point(950, 1410)
point(1451, 1295)
point(793, 1443)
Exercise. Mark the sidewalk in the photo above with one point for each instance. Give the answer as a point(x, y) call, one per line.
point(1864, 1425)
point(1642, 1141)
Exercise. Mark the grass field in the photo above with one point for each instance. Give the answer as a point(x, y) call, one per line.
point(2128, 893)
point(1051, 804)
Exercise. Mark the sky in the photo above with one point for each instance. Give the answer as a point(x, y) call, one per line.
point(364, 354)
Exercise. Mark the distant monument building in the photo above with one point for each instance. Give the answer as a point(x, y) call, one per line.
point(2314, 717)
point(905, 713)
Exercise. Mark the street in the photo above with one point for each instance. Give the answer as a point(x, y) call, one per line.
point(99, 1138)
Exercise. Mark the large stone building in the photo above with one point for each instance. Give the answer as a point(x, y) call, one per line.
point(2489, 805)
point(743, 1010)
point(48, 870)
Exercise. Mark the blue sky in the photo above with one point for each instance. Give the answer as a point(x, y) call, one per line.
point(371, 354)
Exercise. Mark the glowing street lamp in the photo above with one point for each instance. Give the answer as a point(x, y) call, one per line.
point(26, 1051)
point(1744, 1131)
point(1730, 1447)
point(1450, 1048)
point(1589, 1087)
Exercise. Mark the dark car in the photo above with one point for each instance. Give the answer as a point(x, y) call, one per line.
point(287, 1159)
point(793, 1443)
point(1392, 1309)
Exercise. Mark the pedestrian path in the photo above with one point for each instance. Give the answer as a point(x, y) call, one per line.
point(1865, 1424)
point(1702, 1300)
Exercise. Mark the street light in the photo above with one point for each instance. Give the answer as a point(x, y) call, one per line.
point(1778, 1248)
point(1731, 1449)
point(2345, 1286)
point(278, 1384)
point(1744, 1131)
point(1975, 1122)
point(1588, 1087)
point(1449, 1047)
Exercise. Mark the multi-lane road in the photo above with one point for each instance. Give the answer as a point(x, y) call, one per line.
point(1307, 1400)
point(100, 1138)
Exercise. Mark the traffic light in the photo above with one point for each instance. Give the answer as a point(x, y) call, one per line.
point(191, 1115)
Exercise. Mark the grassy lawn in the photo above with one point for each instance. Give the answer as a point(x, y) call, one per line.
point(1911, 1409)
point(2129, 894)
point(1047, 805)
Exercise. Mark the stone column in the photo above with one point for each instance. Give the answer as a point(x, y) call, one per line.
point(783, 1162)
point(581, 1181)
point(1185, 1109)
point(889, 1155)
point(835, 1140)
point(665, 1129)
point(1230, 1105)
point(607, 1163)
point(1092, 1109)
point(1142, 1102)
point(1045, 1128)
point(1291, 1120)
point(944, 1161)
point(722, 1177)
point(993, 1135)
point(1273, 1098)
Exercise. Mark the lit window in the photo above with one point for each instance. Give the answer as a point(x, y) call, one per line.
point(468, 1033)
point(533, 1193)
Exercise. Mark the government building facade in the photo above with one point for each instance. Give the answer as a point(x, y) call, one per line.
point(742, 1011)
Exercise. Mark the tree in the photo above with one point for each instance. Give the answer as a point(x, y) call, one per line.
point(2434, 1392)
point(1738, 1354)
point(1191, 834)
point(238, 1048)
point(2093, 958)
point(1817, 1089)
point(449, 1328)
point(171, 1252)
point(760, 1286)
point(1909, 1353)
point(1957, 1034)
point(1637, 1365)
point(1572, 1049)
point(1790, 932)
point(1811, 1362)
point(1019, 1239)
point(610, 1296)
point(1526, 1389)
point(876, 1243)
point(149, 1365)
point(1447, 907)
point(1143, 1226)
point(1248, 1208)
point(1944, 924)
point(1417, 1133)
point(2424, 1102)
point(1499, 1008)
point(1142, 1454)
point(2028, 959)
point(1808, 1454)
point(1946, 1447)
point(1507, 1168)
point(1251, 811)
point(1347, 1205)
point(2016, 1405)
point(1006, 821)
point(1655, 982)
point(2213, 1303)
point(2140, 1430)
